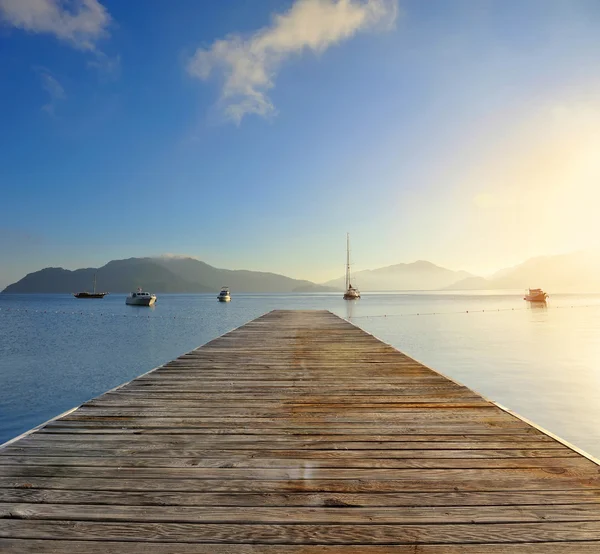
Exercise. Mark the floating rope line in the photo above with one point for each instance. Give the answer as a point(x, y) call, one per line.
point(488, 310)
point(7, 311)
point(94, 314)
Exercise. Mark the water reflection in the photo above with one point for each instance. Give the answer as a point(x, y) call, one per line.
point(538, 306)
point(349, 309)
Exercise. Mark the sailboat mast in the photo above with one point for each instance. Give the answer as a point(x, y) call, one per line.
point(347, 260)
point(94, 283)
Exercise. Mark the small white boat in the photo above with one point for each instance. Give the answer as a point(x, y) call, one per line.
point(224, 295)
point(140, 298)
point(351, 292)
point(535, 295)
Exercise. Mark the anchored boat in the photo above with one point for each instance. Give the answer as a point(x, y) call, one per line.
point(94, 294)
point(224, 295)
point(140, 298)
point(351, 293)
point(535, 295)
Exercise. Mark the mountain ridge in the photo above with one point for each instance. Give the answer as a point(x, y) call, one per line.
point(579, 271)
point(160, 275)
point(418, 275)
point(571, 272)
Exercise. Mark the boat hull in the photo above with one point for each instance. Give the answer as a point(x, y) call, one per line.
point(224, 298)
point(140, 301)
point(352, 296)
point(90, 294)
point(536, 298)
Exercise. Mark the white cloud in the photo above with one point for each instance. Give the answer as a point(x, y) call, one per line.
point(172, 256)
point(79, 22)
point(56, 91)
point(249, 65)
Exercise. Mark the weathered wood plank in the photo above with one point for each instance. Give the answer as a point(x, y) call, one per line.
point(301, 472)
point(340, 534)
point(316, 500)
point(395, 432)
point(27, 546)
point(284, 420)
point(280, 437)
point(350, 413)
point(376, 403)
point(302, 515)
point(134, 452)
point(551, 462)
point(308, 484)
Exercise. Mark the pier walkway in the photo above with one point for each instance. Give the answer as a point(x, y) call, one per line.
point(297, 433)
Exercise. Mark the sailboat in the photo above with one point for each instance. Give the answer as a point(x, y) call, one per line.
point(351, 293)
point(90, 294)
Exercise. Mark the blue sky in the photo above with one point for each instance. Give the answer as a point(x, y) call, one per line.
point(256, 134)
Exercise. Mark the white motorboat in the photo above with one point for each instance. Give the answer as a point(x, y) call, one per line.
point(140, 298)
point(351, 293)
point(224, 295)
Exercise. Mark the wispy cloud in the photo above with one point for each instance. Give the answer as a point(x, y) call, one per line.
point(108, 67)
point(56, 91)
point(249, 65)
point(81, 23)
point(172, 256)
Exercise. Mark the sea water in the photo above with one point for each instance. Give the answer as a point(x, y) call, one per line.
point(542, 362)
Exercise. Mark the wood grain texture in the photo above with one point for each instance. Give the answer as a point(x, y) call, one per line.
point(27, 546)
point(297, 433)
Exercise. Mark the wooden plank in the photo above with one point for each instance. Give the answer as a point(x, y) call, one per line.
point(376, 404)
point(395, 432)
point(552, 462)
point(19, 546)
point(381, 419)
point(281, 437)
point(315, 500)
point(302, 515)
point(292, 433)
point(308, 484)
point(372, 474)
point(340, 534)
point(195, 454)
point(231, 413)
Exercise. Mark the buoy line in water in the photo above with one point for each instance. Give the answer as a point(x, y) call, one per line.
point(96, 314)
point(196, 318)
point(489, 310)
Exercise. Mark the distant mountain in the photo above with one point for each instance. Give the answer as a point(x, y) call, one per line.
point(563, 273)
point(420, 275)
point(239, 280)
point(166, 275)
point(470, 283)
point(576, 272)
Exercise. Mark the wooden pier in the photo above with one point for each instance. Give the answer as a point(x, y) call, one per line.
point(297, 433)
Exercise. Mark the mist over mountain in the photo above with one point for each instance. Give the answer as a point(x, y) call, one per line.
point(419, 275)
point(166, 275)
point(575, 272)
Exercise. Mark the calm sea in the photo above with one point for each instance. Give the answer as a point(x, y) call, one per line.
point(543, 363)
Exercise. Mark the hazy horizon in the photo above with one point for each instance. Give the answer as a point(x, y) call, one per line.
point(255, 135)
point(591, 256)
